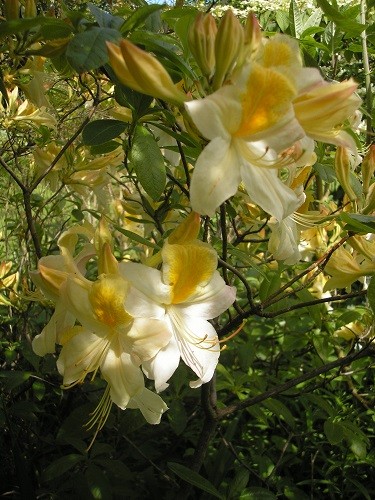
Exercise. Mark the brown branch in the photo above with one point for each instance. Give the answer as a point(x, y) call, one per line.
point(368, 350)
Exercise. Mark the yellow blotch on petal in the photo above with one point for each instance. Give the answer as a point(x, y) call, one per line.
point(266, 101)
point(107, 297)
point(278, 53)
point(186, 267)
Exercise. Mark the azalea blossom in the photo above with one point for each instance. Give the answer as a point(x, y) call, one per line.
point(110, 339)
point(346, 268)
point(248, 124)
point(186, 293)
point(52, 272)
point(272, 104)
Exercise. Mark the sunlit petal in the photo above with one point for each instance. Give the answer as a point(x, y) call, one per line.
point(150, 404)
point(216, 176)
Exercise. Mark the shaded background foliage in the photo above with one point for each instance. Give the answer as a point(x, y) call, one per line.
point(312, 439)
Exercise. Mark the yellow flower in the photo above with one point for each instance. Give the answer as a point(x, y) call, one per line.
point(345, 269)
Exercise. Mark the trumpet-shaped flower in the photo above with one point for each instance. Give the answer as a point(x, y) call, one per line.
point(345, 269)
point(52, 272)
point(248, 124)
point(322, 109)
point(110, 339)
point(187, 292)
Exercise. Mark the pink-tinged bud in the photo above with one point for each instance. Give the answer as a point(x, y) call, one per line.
point(343, 164)
point(253, 34)
point(142, 72)
point(368, 168)
point(202, 35)
point(229, 46)
point(187, 231)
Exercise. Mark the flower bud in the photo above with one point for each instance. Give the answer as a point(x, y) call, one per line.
point(370, 200)
point(142, 72)
point(229, 45)
point(201, 39)
point(368, 168)
point(253, 34)
point(343, 163)
point(30, 8)
point(11, 10)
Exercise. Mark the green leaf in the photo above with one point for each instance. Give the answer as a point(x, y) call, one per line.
point(61, 465)
point(238, 484)
point(105, 147)
point(194, 478)
point(358, 223)
point(280, 410)
point(28, 24)
point(333, 431)
point(148, 162)
point(87, 50)
point(101, 131)
point(55, 31)
point(104, 19)
point(282, 20)
point(139, 16)
point(98, 482)
point(350, 27)
point(12, 379)
point(177, 416)
point(371, 294)
point(136, 237)
point(295, 19)
point(139, 103)
point(255, 493)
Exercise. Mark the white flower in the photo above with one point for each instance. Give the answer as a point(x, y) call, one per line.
point(111, 340)
point(186, 294)
point(248, 124)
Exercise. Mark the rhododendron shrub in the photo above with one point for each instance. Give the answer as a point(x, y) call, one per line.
point(187, 241)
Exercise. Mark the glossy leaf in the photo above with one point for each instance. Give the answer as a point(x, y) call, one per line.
point(148, 162)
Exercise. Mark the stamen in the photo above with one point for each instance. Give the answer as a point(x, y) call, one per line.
point(232, 335)
point(100, 415)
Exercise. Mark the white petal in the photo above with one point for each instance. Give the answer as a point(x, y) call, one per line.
point(198, 344)
point(217, 114)
point(60, 320)
point(81, 355)
point(150, 404)
point(269, 192)
point(146, 337)
point(284, 241)
point(122, 374)
point(148, 281)
point(75, 294)
point(163, 365)
point(216, 176)
point(211, 300)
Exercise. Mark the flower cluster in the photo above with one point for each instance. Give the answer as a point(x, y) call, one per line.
point(260, 115)
point(132, 319)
